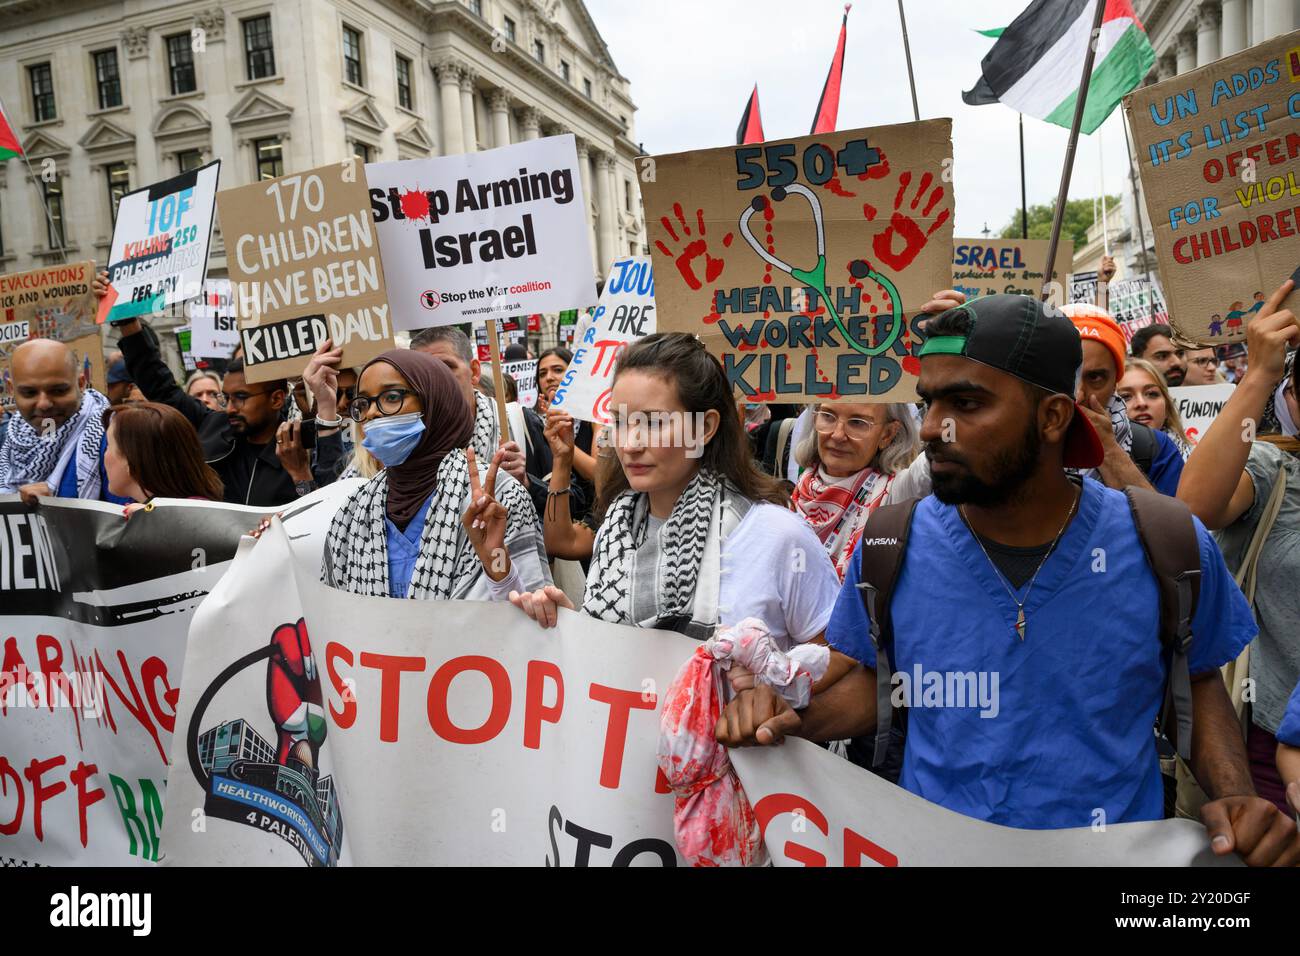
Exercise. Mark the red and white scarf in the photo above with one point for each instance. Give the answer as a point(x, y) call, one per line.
point(838, 508)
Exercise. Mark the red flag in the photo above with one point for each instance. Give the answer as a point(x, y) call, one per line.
point(750, 129)
point(9, 145)
point(828, 107)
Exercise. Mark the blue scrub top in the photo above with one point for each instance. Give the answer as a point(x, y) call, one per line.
point(403, 549)
point(68, 483)
point(1071, 709)
point(1166, 465)
point(1288, 732)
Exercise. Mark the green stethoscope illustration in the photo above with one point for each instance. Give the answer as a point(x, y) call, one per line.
point(815, 278)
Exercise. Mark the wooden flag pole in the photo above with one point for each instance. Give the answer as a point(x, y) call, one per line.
point(907, 49)
point(498, 376)
point(1080, 101)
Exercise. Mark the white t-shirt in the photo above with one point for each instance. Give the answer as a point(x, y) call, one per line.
point(775, 569)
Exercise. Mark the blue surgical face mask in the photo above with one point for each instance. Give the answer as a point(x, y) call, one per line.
point(392, 439)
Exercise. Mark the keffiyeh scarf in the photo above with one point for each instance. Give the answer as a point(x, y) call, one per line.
point(837, 508)
point(1123, 429)
point(486, 430)
point(689, 540)
point(27, 456)
point(356, 548)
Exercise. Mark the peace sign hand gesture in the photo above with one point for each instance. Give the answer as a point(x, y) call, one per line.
point(485, 519)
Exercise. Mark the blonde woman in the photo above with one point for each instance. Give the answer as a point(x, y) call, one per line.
point(1149, 403)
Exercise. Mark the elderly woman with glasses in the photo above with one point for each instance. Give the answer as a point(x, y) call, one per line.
point(431, 525)
point(855, 458)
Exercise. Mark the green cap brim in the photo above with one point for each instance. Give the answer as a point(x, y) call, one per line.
point(944, 345)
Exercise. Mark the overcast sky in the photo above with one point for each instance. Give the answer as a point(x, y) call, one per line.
point(692, 64)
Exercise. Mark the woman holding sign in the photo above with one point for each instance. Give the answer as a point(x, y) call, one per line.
point(693, 536)
point(425, 527)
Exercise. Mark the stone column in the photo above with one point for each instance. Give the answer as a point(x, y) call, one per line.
point(1279, 18)
point(531, 119)
point(584, 171)
point(138, 91)
point(467, 111)
point(605, 200)
point(1166, 65)
point(1186, 51)
point(1207, 33)
point(453, 131)
point(1235, 30)
point(499, 106)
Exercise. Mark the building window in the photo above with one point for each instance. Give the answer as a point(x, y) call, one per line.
point(270, 157)
point(627, 195)
point(180, 62)
point(259, 52)
point(539, 51)
point(510, 30)
point(42, 80)
point(363, 151)
point(586, 88)
point(404, 98)
point(564, 70)
point(108, 82)
point(476, 7)
point(352, 71)
point(119, 184)
point(54, 205)
point(190, 159)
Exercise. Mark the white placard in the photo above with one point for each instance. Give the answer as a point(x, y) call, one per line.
point(524, 372)
point(159, 254)
point(214, 327)
point(1199, 405)
point(497, 234)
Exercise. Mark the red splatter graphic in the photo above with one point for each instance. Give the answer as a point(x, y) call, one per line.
point(833, 185)
point(415, 204)
point(693, 250)
point(878, 171)
point(912, 365)
point(903, 227)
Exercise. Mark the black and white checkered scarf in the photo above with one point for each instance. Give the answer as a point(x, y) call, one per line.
point(684, 536)
point(1123, 428)
point(486, 429)
point(27, 456)
point(356, 548)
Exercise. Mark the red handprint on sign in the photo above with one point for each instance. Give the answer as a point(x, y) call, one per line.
point(901, 225)
point(693, 250)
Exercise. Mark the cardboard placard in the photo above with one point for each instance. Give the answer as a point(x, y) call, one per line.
point(53, 303)
point(802, 264)
point(303, 259)
point(213, 324)
point(991, 266)
point(626, 313)
point(494, 234)
point(1217, 151)
point(159, 255)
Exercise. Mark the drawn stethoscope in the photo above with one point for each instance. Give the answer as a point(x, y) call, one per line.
point(815, 278)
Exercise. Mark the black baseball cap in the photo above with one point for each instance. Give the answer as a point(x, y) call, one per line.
point(1036, 343)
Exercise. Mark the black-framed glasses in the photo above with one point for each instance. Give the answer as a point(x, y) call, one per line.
point(342, 394)
point(389, 402)
point(239, 398)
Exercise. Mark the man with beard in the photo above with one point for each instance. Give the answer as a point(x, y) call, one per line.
point(1034, 583)
point(260, 457)
point(1155, 343)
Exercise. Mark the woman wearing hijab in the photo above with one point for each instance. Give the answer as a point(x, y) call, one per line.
point(424, 527)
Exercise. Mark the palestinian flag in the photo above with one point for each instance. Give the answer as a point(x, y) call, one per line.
point(1035, 64)
point(9, 145)
point(750, 129)
point(828, 106)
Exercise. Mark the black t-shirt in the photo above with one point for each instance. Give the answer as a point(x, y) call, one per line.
point(1016, 564)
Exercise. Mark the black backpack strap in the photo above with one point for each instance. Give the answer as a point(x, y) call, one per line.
point(1168, 536)
point(882, 546)
point(1143, 450)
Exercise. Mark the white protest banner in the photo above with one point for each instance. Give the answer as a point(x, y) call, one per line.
point(214, 327)
point(626, 313)
point(485, 235)
point(1137, 303)
point(524, 373)
point(159, 255)
point(1199, 405)
point(318, 727)
point(95, 612)
point(816, 809)
point(303, 257)
point(1083, 287)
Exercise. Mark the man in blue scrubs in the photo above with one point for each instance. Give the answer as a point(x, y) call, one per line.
point(1036, 585)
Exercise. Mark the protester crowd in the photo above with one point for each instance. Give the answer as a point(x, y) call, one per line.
point(1041, 516)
